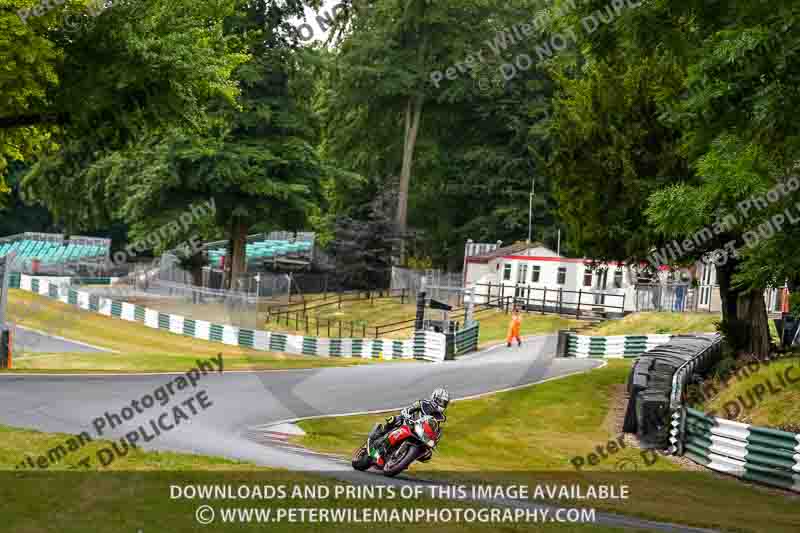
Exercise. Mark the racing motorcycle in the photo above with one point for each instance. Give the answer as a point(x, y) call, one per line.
point(414, 440)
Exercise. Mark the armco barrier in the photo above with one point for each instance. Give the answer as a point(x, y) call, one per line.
point(427, 345)
point(752, 453)
point(612, 347)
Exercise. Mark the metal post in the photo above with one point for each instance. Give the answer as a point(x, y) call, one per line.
point(530, 210)
point(544, 299)
point(578, 311)
point(5, 273)
point(558, 245)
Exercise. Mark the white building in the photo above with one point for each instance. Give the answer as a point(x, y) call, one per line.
point(529, 272)
point(533, 276)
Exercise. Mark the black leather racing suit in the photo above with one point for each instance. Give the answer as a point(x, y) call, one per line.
point(420, 407)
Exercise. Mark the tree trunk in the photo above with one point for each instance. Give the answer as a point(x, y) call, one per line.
point(413, 115)
point(726, 292)
point(753, 310)
point(197, 274)
point(747, 306)
point(237, 252)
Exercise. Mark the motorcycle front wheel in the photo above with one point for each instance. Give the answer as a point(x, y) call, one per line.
point(400, 458)
point(361, 460)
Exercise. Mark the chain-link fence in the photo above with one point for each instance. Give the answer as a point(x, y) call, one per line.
point(443, 286)
point(217, 306)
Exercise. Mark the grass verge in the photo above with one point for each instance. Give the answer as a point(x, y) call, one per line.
point(657, 322)
point(761, 395)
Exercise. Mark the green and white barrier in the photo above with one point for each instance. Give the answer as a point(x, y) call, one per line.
point(425, 345)
point(613, 347)
point(752, 453)
point(466, 340)
point(429, 345)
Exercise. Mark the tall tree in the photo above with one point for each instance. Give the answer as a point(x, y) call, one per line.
point(139, 67)
point(382, 84)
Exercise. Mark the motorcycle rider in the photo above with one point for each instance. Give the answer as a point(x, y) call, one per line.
point(435, 406)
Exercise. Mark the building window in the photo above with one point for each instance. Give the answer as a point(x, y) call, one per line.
point(535, 272)
point(507, 272)
point(618, 278)
point(522, 273)
point(587, 278)
point(562, 275)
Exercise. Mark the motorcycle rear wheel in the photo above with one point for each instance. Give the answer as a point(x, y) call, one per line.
point(400, 459)
point(361, 460)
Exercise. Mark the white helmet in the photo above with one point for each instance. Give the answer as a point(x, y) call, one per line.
point(441, 398)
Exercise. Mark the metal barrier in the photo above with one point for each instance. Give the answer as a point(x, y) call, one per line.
point(752, 453)
point(609, 346)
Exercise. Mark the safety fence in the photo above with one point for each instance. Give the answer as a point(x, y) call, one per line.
point(611, 347)
point(425, 345)
point(752, 453)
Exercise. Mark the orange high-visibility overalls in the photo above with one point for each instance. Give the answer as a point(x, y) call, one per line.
point(514, 328)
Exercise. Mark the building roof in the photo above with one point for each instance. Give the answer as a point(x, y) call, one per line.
point(512, 249)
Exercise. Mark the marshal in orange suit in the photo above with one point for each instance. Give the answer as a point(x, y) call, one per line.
point(514, 328)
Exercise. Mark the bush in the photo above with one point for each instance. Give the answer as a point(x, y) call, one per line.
point(725, 367)
point(735, 331)
point(794, 304)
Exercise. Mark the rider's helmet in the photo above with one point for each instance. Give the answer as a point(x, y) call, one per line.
point(440, 398)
